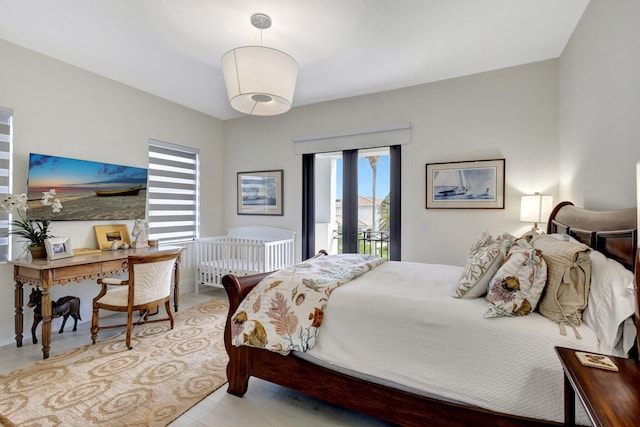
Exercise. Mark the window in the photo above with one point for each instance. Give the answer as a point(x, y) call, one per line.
point(351, 202)
point(5, 178)
point(339, 225)
point(173, 192)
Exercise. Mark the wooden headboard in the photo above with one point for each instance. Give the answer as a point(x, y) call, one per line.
point(614, 233)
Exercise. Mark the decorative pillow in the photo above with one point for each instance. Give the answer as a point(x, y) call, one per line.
point(524, 241)
point(569, 274)
point(484, 239)
point(611, 303)
point(480, 268)
point(516, 287)
point(505, 240)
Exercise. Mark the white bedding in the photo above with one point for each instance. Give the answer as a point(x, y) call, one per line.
point(423, 338)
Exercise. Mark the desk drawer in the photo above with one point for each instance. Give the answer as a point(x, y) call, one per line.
point(28, 273)
point(74, 271)
point(115, 266)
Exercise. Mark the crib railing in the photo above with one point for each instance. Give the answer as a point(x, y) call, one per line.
point(278, 255)
point(221, 255)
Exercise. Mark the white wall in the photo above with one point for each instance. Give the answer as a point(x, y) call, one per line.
point(600, 107)
point(62, 110)
point(510, 113)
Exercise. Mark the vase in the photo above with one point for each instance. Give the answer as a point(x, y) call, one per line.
point(38, 252)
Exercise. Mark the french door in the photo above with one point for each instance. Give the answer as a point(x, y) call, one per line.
point(351, 202)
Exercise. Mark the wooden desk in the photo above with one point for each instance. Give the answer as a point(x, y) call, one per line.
point(45, 274)
point(610, 398)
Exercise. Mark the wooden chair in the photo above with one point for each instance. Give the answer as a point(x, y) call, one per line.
point(148, 286)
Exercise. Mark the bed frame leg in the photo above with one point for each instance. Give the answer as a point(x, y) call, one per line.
point(238, 371)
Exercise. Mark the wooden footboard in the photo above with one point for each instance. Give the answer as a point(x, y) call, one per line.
point(239, 366)
point(387, 403)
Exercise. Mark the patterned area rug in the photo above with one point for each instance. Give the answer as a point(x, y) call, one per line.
point(166, 373)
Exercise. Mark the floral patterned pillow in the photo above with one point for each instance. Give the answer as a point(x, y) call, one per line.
point(516, 288)
point(480, 268)
point(527, 238)
point(506, 240)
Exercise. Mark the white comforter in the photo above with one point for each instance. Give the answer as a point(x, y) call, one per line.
point(399, 322)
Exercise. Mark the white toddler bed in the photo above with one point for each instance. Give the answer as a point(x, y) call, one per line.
point(243, 251)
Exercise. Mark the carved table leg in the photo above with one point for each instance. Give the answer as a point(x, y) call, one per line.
point(18, 318)
point(46, 322)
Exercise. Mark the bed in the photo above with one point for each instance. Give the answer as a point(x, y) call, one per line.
point(327, 373)
point(243, 251)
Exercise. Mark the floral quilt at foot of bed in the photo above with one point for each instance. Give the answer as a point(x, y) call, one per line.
point(284, 311)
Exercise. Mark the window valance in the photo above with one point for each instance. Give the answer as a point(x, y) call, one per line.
point(382, 136)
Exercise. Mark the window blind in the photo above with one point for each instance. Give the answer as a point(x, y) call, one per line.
point(5, 178)
point(173, 211)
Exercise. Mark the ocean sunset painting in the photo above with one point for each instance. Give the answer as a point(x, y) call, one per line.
point(88, 190)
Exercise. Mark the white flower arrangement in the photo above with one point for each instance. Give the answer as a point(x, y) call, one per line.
point(35, 232)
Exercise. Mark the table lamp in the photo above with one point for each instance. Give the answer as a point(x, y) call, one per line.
point(535, 208)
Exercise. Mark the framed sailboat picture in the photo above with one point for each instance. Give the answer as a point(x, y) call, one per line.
point(477, 184)
point(260, 193)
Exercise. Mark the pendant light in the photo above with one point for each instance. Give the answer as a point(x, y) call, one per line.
point(260, 80)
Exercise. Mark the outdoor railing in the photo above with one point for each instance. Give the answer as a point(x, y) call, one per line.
point(369, 242)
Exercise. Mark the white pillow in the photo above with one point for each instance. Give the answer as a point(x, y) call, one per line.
point(482, 241)
point(479, 269)
point(611, 302)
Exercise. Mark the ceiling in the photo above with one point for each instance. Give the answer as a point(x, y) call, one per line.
point(172, 48)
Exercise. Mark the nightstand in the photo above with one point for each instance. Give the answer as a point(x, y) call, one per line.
point(609, 398)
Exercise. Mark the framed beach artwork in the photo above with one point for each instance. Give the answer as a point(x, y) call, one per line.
point(88, 190)
point(260, 193)
point(477, 184)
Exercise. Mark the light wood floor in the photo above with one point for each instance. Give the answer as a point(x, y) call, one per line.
point(264, 404)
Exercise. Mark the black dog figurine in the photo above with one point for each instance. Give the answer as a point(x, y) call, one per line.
point(65, 306)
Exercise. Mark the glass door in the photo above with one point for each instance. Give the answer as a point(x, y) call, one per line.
point(373, 201)
point(352, 201)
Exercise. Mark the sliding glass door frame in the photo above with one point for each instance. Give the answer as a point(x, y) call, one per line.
point(350, 203)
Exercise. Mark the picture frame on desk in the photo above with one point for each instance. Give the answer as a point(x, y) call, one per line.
point(107, 235)
point(58, 247)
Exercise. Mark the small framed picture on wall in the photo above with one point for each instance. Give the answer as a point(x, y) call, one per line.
point(260, 193)
point(476, 184)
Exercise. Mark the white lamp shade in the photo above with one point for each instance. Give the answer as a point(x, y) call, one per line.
point(260, 80)
point(536, 207)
